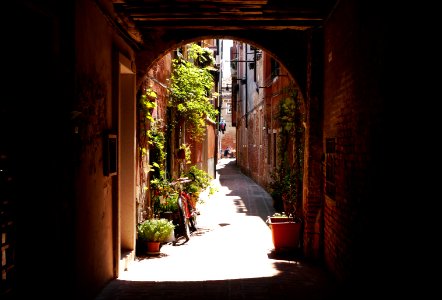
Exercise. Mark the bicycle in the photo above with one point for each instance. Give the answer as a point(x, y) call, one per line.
point(185, 224)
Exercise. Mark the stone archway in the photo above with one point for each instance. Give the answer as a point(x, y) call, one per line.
point(301, 61)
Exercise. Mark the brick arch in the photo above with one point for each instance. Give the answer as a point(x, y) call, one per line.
point(294, 57)
point(296, 44)
point(298, 58)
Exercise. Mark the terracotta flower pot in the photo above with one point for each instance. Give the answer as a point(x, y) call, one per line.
point(285, 234)
point(153, 248)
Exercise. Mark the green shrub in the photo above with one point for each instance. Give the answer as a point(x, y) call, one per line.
point(200, 180)
point(163, 203)
point(155, 230)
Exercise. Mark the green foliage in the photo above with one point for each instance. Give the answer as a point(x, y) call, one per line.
point(282, 186)
point(157, 145)
point(279, 215)
point(191, 86)
point(187, 151)
point(156, 230)
point(286, 184)
point(287, 114)
point(164, 196)
point(153, 133)
point(202, 57)
point(150, 94)
point(153, 142)
point(212, 189)
point(283, 215)
point(147, 103)
point(165, 202)
point(200, 180)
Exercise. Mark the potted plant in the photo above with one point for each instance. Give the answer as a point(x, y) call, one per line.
point(279, 217)
point(153, 232)
point(285, 231)
point(165, 205)
point(199, 181)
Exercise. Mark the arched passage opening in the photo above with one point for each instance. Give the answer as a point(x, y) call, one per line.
point(261, 137)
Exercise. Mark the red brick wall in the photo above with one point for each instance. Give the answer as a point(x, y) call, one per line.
point(351, 117)
point(228, 139)
point(160, 71)
point(211, 140)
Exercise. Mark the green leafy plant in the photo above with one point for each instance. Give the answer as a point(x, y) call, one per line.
point(279, 215)
point(187, 152)
point(286, 185)
point(201, 56)
point(164, 196)
point(153, 139)
point(200, 180)
point(147, 103)
point(283, 215)
point(154, 134)
point(165, 203)
point(191, 86)
point(157, 147)
point(155, 230)
point(281, 187)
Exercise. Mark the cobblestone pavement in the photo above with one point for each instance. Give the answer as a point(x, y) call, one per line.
point(230, 256)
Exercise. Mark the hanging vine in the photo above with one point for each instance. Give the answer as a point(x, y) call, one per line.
point(152, 142)
point(286, 185)
point(191, 85)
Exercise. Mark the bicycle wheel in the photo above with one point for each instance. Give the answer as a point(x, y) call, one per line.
point(184, 221)
point(187, 226)
point(192, 222)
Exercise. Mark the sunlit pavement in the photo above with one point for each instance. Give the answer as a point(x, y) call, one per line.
point(230, 256)
point(227, 245)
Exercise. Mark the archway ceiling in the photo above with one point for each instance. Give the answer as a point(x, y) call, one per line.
point(142, 18)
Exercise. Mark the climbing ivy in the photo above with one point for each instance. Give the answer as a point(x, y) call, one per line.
point(286, 185)
point(201, 57)
point(154, 132)
point(191, 86)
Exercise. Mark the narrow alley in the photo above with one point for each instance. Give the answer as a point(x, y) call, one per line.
point(229, 257)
